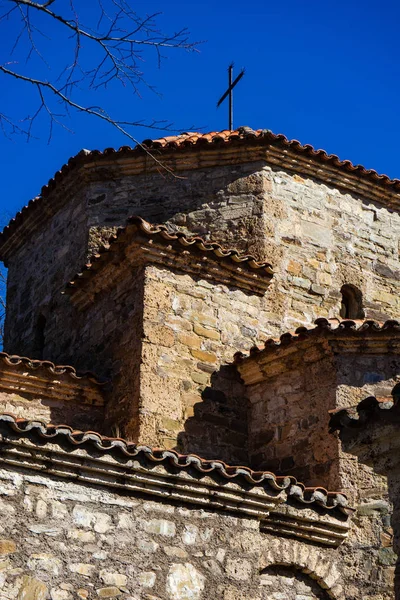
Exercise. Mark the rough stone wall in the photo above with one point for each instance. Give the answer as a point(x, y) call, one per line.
point(319, 238)
point(282, 583)
point(67, 541)
point(357, 378)
point(77, 415)
point(192, 397)
point(107, 339)
point(288, 432)
point(289, 409)
point(289, 416)
point(316, 237)
point(224, 203)
point(37, 274)
point(44, 392)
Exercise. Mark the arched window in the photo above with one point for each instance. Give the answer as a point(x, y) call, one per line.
point(351, 302)
point(39, 337)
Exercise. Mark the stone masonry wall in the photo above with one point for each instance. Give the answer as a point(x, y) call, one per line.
point(76, 415)
point(360, 376)
point(289, 416)
point(107, 339)
point(224, 203)
point(52, 256)
point(167, 341)
point(288, 429)
point(37, 274)
point(316, 237)
point(191, 394)
point(65, 541)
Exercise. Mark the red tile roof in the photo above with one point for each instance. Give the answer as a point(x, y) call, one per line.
point(120, 447)
point(243, 136)
point(326, 329)
point(178, 240)
point(13, 360)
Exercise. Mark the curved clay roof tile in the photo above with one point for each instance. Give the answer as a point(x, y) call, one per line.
point(288, 484)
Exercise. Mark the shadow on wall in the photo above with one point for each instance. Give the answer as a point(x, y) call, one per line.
point(216, 426)
point(197, 202)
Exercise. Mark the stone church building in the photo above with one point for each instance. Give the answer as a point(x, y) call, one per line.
point(219, 299)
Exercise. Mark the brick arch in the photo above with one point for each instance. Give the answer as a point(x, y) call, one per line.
point(310, 560)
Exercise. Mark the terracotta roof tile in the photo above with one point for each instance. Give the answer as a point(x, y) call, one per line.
point(305, 495)
point(178, 240)
point(193, 140)
point(325, 329)
point(369, 410)
point(13, 360)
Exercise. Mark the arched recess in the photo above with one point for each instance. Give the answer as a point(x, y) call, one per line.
point(315, 562)
point(290, 583)
point(352, 302)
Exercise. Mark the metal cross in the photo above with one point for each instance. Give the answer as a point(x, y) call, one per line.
point(229, 93)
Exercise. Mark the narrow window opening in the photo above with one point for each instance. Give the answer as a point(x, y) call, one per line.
point(351, 303)
point(39, 337)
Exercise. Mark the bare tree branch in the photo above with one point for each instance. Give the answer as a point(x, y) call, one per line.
point(106, 52)
point(90, 110)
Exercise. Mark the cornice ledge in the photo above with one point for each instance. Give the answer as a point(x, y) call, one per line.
point(133, 477)
point(14, 382)
point(207, 268)
point(287, 522)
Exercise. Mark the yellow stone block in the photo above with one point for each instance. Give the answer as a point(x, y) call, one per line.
point(193, 341)
point(32, 589)
point(204, 356)
point(212, 334)
point(7, 547)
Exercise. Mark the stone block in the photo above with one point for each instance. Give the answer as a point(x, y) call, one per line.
point(238, 568)
point(87, 537)
point(32, 589)
point(193, 341)
point(109, 592)
point(185, 582)
point(160, 527)
point(209, 357)
point(318, 290)
point(7, 547)
point(318, 234)
point(213, 334)
point(113, 579)
point(200, 378)
point(147, 579)
point(103, 523)
point(82, 569)
point(294, 268)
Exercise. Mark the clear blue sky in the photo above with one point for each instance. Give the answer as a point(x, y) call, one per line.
point(325, 73)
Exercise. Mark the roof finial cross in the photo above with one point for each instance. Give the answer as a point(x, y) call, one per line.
point(230, 94)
